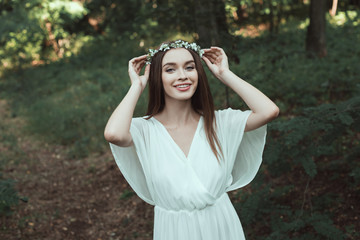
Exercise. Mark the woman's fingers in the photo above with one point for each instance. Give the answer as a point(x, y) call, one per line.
point(216, 60)
point(135, 66)
point(147, 71)
point(211, 55)
point(140, 58)
point(139, 66)
point(207, 61)
point(137, 60)
point(215, 54)
point(215, 50)
point(137, 63)
point(213, 59)
point(212, 67)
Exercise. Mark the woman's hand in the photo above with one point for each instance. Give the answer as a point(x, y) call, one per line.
point(263, 109)
point(216, 60)
point(117, 130)
point(135, 66)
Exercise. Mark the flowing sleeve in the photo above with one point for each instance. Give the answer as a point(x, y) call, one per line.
point(132, 160)
point(242, 150)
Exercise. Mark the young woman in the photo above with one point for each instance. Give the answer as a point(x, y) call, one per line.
point(183, 156)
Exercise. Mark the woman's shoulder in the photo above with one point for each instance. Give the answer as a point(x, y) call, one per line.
point(230, 115)
point(141, 122)
point(141, 118)
point(228, 111)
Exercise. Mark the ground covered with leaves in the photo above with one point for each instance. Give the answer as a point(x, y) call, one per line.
point(66, 198)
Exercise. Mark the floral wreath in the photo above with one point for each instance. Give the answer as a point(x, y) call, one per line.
point(177, 44)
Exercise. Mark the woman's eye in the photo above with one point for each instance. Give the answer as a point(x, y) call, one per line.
point(169, 70)
point(190, 68)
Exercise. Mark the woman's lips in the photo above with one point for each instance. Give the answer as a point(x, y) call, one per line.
point(183, 87)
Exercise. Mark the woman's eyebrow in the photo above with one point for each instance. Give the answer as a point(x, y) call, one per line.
point(172, 63)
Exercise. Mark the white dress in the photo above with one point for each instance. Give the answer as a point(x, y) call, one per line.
point(190, 193)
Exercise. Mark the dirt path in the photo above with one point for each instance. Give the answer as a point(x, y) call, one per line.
point(67, 198)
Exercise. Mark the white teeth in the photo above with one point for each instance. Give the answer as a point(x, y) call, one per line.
point(183, 86)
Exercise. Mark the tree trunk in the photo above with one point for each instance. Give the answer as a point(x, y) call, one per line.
point(210, 21)
point(315, 38)
point(52, 40)
point(206, 24)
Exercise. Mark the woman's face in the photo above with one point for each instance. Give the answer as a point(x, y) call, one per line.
point(179, 74)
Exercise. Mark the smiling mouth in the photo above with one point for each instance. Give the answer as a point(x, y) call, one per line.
point(183, 87)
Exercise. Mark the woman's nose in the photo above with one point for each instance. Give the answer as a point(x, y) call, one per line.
point(182, 74)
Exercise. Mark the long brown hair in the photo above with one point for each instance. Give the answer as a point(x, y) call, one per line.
point(201, 101)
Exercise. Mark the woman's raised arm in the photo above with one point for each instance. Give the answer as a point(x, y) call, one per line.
point(117, 130)
point(263, 109)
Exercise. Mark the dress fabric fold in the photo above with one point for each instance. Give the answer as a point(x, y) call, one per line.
point(190, 192)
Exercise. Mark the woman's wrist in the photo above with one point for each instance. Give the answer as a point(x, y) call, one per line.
point(226, 76)
point(137, 86)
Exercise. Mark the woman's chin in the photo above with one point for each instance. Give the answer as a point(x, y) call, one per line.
point(184, 96)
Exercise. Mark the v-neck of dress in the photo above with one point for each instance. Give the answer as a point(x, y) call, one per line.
point(173, 141)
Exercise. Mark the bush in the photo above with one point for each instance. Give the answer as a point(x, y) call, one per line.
point(8, 196)
point(320, 141)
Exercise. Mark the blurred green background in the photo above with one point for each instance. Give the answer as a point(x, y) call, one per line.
point(63, 69)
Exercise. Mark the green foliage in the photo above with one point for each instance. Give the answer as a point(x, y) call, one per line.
point(69, 102)
point(127, 194)
point(20, 35)
point(9, 143)
point(30, 28)
point(321, 224)
point(323, 131)
point(282, 221)
point(307, 141)
point(272, 12)
point(355, 173)
point(279, 67)
point(10, 155)
point(113, 18)
point(8, 196)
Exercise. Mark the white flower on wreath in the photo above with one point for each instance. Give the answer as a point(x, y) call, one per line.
point(177, 44)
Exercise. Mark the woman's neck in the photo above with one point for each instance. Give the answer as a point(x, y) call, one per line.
point(177, 113)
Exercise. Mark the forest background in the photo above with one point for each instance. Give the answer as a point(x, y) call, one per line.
point(64, 69)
